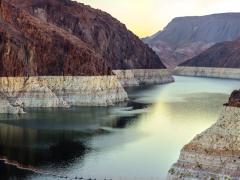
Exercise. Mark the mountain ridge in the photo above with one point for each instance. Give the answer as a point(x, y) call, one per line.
point(186, 37)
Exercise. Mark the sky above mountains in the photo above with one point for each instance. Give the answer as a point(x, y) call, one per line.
point(146, 17)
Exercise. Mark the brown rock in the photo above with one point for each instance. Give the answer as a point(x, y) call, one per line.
point(31, 47)
point(61, 37)
point(234, 99)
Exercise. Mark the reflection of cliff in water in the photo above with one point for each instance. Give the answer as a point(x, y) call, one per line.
point(56, 137)
point(59, 138)
point(40, 148)
point(128, 115)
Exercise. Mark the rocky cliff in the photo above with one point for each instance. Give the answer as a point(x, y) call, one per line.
point(32, 47)
point(58, 53)
point(186, 37)
point(221, 60)
point(213, 154)
point(120, 48)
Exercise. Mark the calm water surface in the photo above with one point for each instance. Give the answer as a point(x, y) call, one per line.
point(137, 140)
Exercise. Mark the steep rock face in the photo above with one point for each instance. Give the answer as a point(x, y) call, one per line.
point(62, 91)
point(220, 61)
point(213, 154)
point(31, 47)
point(78, 45)
point(186, 37)
point(120, 48)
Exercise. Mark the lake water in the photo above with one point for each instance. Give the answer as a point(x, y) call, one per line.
point(136, 140)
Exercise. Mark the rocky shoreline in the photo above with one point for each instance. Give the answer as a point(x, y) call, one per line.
point(62, 53)
point(18, 93)
point(228, 73)
point(215, 153)
point(136, 77)
point(61, 91)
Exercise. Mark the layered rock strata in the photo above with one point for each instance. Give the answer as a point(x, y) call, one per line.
point(228, 73)
point(136, 77)
point(6, 107)
point(59, 53)
point(62, 91)
point(215, 153)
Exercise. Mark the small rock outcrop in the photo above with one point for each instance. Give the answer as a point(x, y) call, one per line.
point(187, 37)
point(213, 154)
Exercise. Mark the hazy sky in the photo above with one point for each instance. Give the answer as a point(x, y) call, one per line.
point(146, 17)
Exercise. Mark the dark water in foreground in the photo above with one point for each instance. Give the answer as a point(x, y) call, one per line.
point(138, 140)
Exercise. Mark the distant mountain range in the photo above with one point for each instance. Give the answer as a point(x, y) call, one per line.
point(187, 37)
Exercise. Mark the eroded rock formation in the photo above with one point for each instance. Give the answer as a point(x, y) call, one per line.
point(213, 154)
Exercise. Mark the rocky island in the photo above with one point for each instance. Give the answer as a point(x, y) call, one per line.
point(215, 153)
point(60, 53)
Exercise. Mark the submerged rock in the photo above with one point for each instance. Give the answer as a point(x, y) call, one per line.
point(215, 153)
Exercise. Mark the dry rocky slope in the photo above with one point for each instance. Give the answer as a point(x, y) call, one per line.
point(220, 61)
point(120, 48)
point(59, 53)
point(186, 37)
point(215, 153)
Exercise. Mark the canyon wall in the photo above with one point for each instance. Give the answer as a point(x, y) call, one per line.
point(220, 61)
point(228, 73)
point(107, 36)
point(213, 154)
point(136, 77)
point(60, 53)
point(62, 91)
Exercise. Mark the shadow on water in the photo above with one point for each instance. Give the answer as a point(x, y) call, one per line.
point(58, 137)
